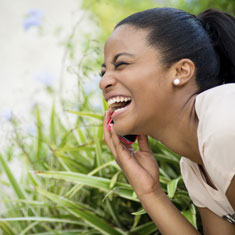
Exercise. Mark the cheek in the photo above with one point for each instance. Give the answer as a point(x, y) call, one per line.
point(147, 102)
point(147, 94)
point(146, 105)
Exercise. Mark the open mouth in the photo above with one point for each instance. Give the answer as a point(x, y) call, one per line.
point(119, 103)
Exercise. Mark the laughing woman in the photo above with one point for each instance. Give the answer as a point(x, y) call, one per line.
point(177, 72)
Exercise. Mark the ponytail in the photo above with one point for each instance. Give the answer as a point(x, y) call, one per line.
point(221, 29)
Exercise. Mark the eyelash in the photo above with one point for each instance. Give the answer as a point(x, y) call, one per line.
point(116, 66)
point(101, 74)
point(119, 64)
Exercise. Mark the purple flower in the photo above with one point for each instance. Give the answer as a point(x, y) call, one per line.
point(33, 18)
point(44, 77)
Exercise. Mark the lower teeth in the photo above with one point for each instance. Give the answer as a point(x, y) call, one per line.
point(117, 110)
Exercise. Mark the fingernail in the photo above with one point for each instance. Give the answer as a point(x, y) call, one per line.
point(111, 127)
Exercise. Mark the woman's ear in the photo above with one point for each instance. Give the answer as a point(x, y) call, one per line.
point(184, 71)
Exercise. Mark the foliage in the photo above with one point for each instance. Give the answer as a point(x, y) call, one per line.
point(70, 183)
point(108, 13)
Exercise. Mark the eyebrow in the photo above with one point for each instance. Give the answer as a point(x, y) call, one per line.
point(116, 57)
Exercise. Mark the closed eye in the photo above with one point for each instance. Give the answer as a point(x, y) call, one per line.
point(119, 64)
point(116, 67)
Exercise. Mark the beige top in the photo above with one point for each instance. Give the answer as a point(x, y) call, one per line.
point(215, 109)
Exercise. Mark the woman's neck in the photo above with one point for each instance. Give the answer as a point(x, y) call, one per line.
point(180, 133)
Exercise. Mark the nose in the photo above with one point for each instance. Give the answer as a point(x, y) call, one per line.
point(106, 82)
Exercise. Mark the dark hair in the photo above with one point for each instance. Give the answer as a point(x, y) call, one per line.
point(208, 39)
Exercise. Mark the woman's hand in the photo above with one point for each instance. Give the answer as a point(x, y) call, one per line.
point(140, 167)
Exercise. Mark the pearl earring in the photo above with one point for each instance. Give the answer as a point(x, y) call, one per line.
point(176, 81)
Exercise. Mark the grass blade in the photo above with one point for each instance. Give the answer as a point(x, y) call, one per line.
point(30, 226)
point(89, 217)
point(17, 188)
point(146, 229)
point(121, 189)
point(6, 228)
point(39, 133)
point(86, 114)
point(62, 232)
point(98, 152)
point(139, 212)
point(52, 125)
point(172, 185)
point(190, 215)
point(77, 187)
point(42, 219)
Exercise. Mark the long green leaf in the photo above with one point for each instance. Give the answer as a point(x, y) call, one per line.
point(42, 219)
point(29, 227)
point(90, 218)
point(15, 185)
point(190, 215)
point(17, 188)
point(71, 162)
point(62, 232)
point(98, 152)
point(52, 125)
point(81, 136)
point(84, 147)
point(39, 133)
point(4, 182)
point(136, 221)
point(140, 212)
point(105, 104)
point(146, 229)
point(6, 228)
point(172, 185)
point(166, 158)
point(29, 202)
point(77, 187)
point(86, 114)
point(114, 179)
point(121, 189)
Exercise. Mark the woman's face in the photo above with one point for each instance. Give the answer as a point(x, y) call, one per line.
point(133, 70)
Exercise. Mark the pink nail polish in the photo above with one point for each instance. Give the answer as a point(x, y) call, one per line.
point(109, 124)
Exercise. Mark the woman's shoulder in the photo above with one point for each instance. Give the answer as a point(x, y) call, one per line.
point(215, 108)
point(217, 95)
point(216, 133)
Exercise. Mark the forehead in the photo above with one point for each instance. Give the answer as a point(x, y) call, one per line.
point(126, 38)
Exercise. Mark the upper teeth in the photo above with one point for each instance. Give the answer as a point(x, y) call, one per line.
point(118, 99)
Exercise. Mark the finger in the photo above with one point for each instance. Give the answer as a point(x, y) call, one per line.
point(143, 143)
point(107, 133)
point(129, 147)
point(126, 158)
point(115, 138)
point(122, 151)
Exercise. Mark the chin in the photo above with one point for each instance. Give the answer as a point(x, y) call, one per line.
point(120, 131)
point(123, 130)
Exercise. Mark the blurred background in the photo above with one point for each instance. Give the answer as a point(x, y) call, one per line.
point(33, 61)
point(51, 113)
